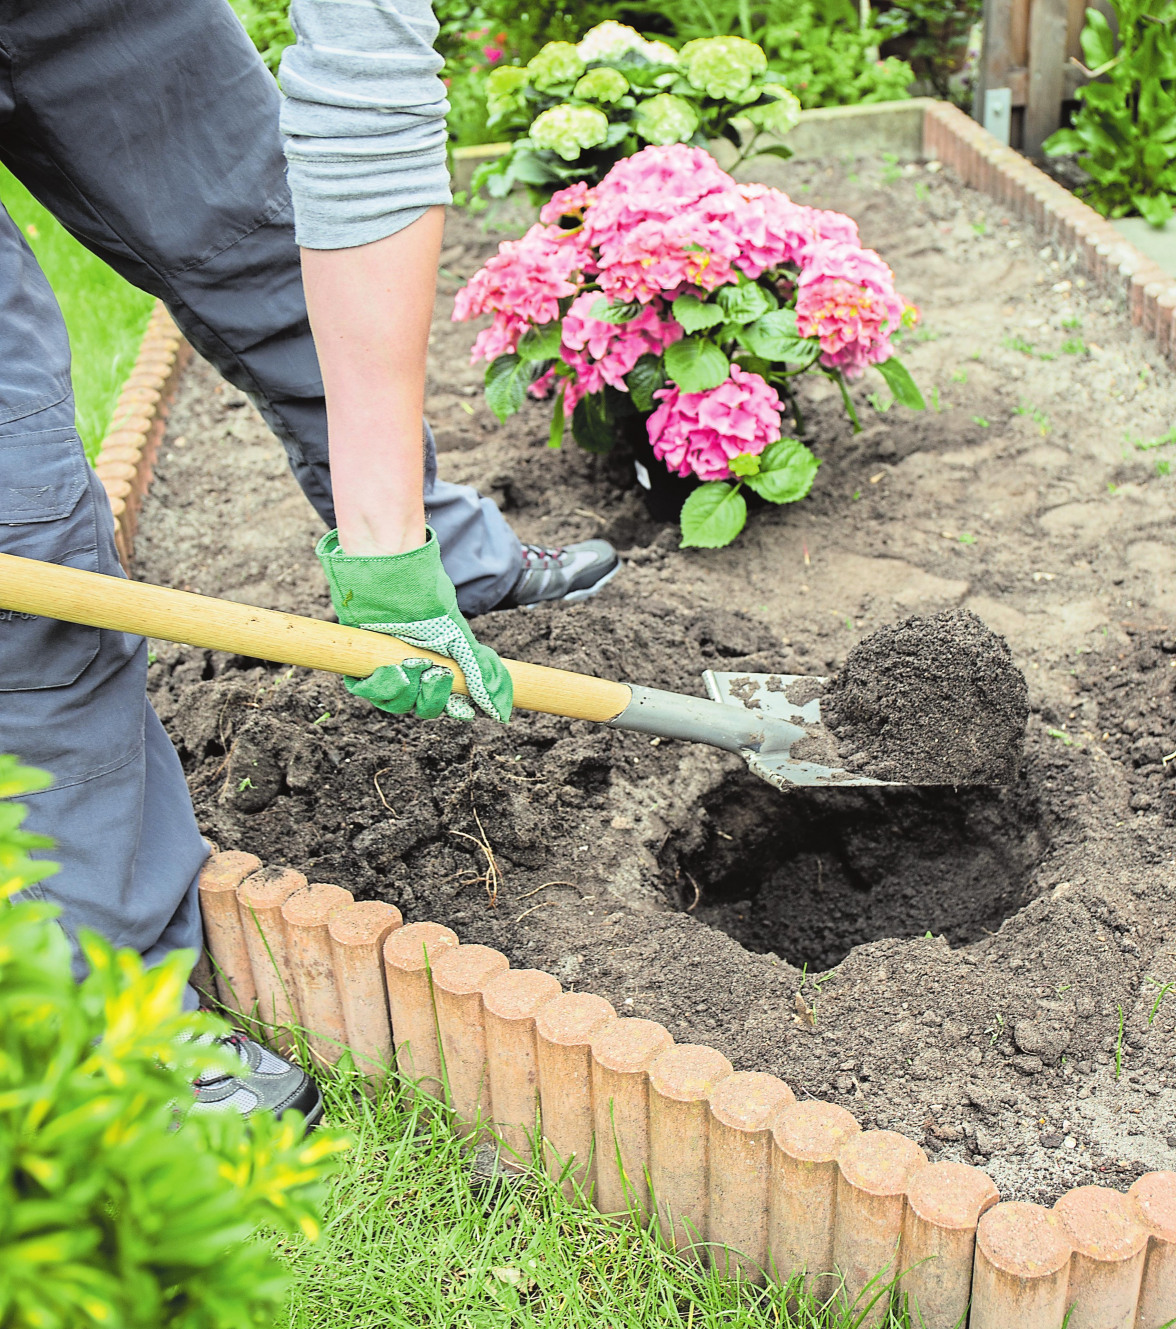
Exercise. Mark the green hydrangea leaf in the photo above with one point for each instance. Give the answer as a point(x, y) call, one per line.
point(747, 463)
point(507, 380)
point(591, 426)
point(542, 343)
point(556, 433)
point(644, 379)
point(696, 315)
point(899, 381)
point(607, 312)
point(713, 516)
point(745, 303)
point(696, 364)
point(786, 472)
point(774, 337)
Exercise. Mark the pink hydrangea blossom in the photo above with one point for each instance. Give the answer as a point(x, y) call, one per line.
point(602, 352)
point(522, 286)
point(697, 433)
point(656, 183)
point(665, 222)
point(662, 257)
point(569, 202)
point(846, 297)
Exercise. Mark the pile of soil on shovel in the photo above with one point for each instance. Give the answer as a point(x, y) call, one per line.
point(932, 700)
point(981, 968)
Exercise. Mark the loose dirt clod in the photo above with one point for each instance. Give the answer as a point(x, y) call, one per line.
point(931, 700)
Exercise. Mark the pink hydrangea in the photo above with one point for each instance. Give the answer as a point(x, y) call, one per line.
point(697, 433)
point(769, 227)
point(662, 257)
point(521, 286)
point(602, 352)
point(651, 228)
point(569, 202)
point(655, 183)
point(847, 298)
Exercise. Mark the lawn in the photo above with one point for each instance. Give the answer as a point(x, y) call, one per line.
point(411, 1240)
point(105, 315)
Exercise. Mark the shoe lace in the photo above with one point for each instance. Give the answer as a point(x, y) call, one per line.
point(540, 556)
point(234, 1040)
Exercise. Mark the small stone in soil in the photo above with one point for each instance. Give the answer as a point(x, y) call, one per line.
point(1050, 1140)
point(931, 700)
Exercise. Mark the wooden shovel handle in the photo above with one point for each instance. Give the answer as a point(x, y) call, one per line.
point(52, 591)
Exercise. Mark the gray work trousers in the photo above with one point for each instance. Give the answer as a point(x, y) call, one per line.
point(150, 129)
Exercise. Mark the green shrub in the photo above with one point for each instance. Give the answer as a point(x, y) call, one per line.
point(268, 24)
point(820, 48)
point(113, 1210)
point(933, 35)
point(575, 110)
point(828, 59)
point(1124, 132)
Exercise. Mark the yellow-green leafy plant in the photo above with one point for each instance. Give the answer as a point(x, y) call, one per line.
point(115, 1209)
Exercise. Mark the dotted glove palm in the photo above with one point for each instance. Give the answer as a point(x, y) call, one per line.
point(410, 596)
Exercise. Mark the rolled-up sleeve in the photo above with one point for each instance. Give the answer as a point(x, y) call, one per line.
point(363, 119)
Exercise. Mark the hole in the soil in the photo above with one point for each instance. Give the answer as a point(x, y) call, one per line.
point(811, 873)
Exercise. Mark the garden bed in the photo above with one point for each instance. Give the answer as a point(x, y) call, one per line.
point(670, 880)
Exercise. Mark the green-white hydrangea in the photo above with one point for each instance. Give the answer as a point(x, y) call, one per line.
point(568, 129)
point(609, 41)
point(556, 63)
point(602, 85)
point(779, 116)
point(503, 85)
point(666, 119)
point(659, 53)
point(615, 43)
point(722, 67)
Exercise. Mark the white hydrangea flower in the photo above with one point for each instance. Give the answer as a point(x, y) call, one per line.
point(609, 41)
point(659, 53)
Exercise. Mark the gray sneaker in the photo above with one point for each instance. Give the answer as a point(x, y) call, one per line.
point(265, 1082)
point(567, 572)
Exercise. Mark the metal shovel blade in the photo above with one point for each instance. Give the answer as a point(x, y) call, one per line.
point(794, 701)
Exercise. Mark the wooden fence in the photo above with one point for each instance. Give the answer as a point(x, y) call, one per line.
point(1029, 67)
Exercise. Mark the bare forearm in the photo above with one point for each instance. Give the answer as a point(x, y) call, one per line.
point(370, 309)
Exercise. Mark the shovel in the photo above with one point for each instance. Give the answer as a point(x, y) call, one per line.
point(747, 713)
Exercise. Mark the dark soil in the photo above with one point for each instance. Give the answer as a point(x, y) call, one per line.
point(934, 699)
point(948, 962)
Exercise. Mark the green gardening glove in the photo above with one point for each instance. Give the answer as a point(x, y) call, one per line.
point(410, 596)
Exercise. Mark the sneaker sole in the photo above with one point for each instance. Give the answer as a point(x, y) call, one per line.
point(575, 597)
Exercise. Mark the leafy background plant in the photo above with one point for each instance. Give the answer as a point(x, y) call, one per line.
point(112, 1211)
point(821, 48)
point(1124, 132)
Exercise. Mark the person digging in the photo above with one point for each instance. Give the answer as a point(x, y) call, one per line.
point(300, 261)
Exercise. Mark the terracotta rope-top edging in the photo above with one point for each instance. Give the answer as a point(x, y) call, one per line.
point(128, 450)
point(1078, 231)
point(731, 1166)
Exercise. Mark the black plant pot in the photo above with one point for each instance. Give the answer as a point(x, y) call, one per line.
point(663, 492)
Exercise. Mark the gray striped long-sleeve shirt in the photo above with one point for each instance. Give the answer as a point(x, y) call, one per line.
point(363, 119)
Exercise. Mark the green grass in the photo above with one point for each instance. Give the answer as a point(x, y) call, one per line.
point(409, 1241)
point(105, 315)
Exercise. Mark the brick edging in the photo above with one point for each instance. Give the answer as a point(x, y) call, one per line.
point(127, 453)
point(1078, 231)
point(733, 1161)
